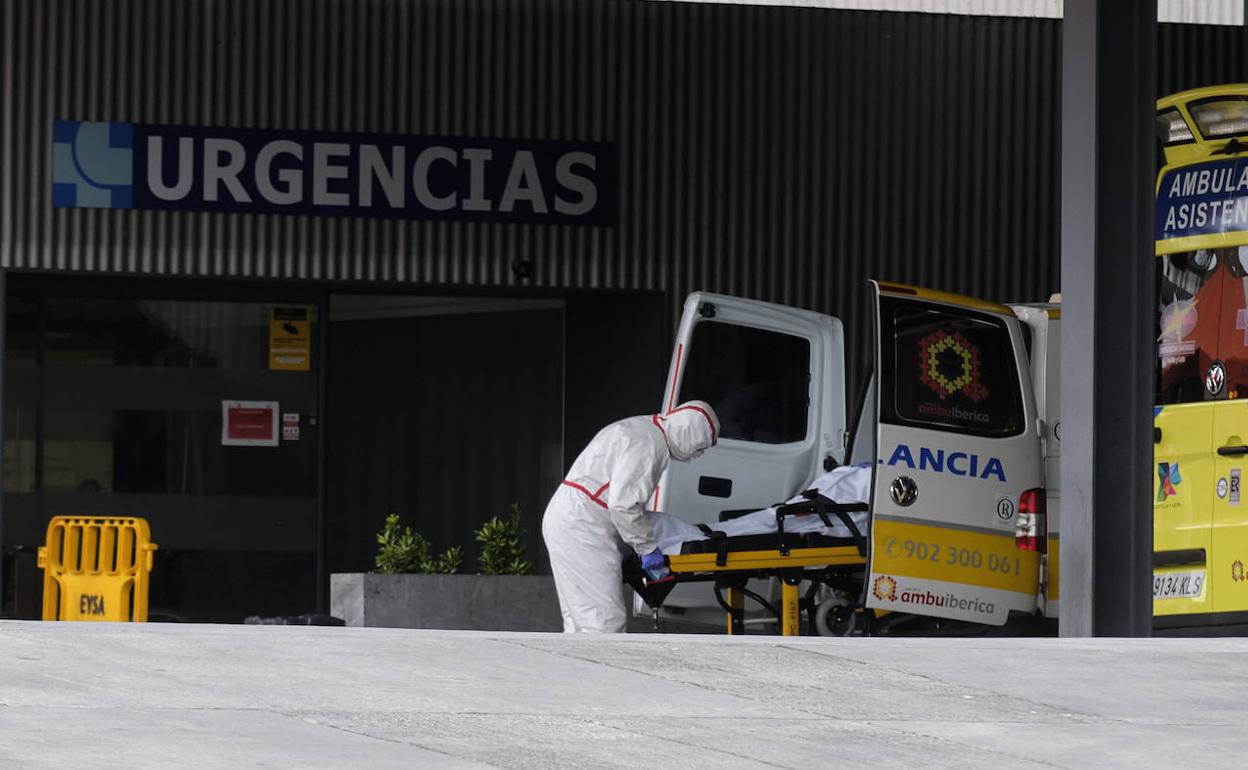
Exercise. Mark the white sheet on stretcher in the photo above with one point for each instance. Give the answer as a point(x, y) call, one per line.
point(847, 484)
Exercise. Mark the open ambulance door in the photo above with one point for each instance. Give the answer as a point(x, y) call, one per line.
point(775, 377)
point(958, 455)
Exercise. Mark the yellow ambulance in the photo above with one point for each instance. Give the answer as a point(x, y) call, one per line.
point(1201, 419)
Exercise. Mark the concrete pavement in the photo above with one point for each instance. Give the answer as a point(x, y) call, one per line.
point(103, 695)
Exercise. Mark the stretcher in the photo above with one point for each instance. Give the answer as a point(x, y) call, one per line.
point(837, 563)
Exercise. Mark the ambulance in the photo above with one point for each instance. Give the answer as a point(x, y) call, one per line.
point(960, 422)
point(1200, 517)
point(957, 424)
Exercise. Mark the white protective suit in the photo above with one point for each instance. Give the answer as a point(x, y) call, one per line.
point(847, 484)
point(599, 511)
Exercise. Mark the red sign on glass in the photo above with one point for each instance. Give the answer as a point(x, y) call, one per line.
point(249, 423)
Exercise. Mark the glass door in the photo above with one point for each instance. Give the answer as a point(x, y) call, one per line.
point(200, 416)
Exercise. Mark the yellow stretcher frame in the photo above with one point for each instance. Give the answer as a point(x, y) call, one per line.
point(791, 567)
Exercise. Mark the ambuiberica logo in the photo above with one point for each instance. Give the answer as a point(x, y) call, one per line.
point(927, 596)
point(885, 588)
point(270, 171)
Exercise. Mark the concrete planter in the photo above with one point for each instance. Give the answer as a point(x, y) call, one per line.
point(469, 602)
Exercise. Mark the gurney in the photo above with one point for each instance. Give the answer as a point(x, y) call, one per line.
point(820, 560)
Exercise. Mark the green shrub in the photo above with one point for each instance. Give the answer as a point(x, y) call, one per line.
point(445, 563)
point(502, 546)
point(401, 551)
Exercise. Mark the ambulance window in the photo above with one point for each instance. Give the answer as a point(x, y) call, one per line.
point(757, 380)
point(950, 371)
point(1192, 323)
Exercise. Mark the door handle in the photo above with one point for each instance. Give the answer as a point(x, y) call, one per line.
point(904, 491)
point(710, 486)
point(1233, 450)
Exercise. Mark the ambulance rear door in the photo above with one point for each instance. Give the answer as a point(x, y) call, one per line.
point(775, 377)
point(958, 451)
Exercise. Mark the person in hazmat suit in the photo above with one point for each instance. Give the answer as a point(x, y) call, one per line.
point(599, 511)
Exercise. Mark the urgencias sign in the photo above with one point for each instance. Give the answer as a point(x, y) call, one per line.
point(267, 171)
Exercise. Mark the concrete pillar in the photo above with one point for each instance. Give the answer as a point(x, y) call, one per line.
point(1108, 176)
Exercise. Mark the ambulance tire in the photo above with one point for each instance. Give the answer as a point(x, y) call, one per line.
point(837, 616)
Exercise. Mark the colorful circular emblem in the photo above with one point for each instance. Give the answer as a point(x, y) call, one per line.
point(1237, 570)
point(885, 589)
point(949, 363)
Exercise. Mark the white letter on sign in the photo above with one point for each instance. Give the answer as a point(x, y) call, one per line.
point(155, 171)
point(571, 181)
point(293, 177)
point(322, 172)
point(217, 172)
point(391, 179)
point(476, 200)
point(420, 178)
point(523, 184)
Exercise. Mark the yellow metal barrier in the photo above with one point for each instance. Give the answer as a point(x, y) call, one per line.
point(96, 568)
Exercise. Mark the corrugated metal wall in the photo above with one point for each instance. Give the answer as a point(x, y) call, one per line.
point(1190, 56)
point(779, 153)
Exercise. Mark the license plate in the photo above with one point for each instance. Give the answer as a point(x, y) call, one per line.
point(1178, 585)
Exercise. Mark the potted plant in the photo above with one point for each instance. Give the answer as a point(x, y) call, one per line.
point(412, 587)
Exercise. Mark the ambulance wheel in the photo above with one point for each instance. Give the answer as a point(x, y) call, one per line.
point(836, 616)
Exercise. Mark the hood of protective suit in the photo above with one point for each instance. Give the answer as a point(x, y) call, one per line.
point(690, 428)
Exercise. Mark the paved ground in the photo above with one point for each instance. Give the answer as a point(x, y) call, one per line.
point(97, 695)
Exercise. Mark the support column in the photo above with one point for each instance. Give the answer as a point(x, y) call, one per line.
point(4, 328)
point(1108, 177)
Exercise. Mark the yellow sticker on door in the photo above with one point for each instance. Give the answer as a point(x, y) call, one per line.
point(950, 572)
point(954, 555)
point(290, 340)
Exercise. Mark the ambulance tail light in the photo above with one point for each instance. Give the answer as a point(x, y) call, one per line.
point(1032, 528)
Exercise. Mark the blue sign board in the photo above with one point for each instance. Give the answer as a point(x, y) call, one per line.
point(1203, 199)
point(267, 171)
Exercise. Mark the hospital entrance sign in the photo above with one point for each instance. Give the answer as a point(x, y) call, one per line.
point(271, 171)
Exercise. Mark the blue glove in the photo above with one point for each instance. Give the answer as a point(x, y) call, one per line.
point(655, 565)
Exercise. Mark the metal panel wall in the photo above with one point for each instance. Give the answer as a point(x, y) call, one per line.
point(779, 153)
point(1190, 56)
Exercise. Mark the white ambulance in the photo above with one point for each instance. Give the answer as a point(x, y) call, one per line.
point(957, 420)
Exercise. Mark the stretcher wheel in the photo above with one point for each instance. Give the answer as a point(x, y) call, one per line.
point(836, 616)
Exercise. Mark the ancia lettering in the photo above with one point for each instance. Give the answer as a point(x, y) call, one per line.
point(955, 463)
